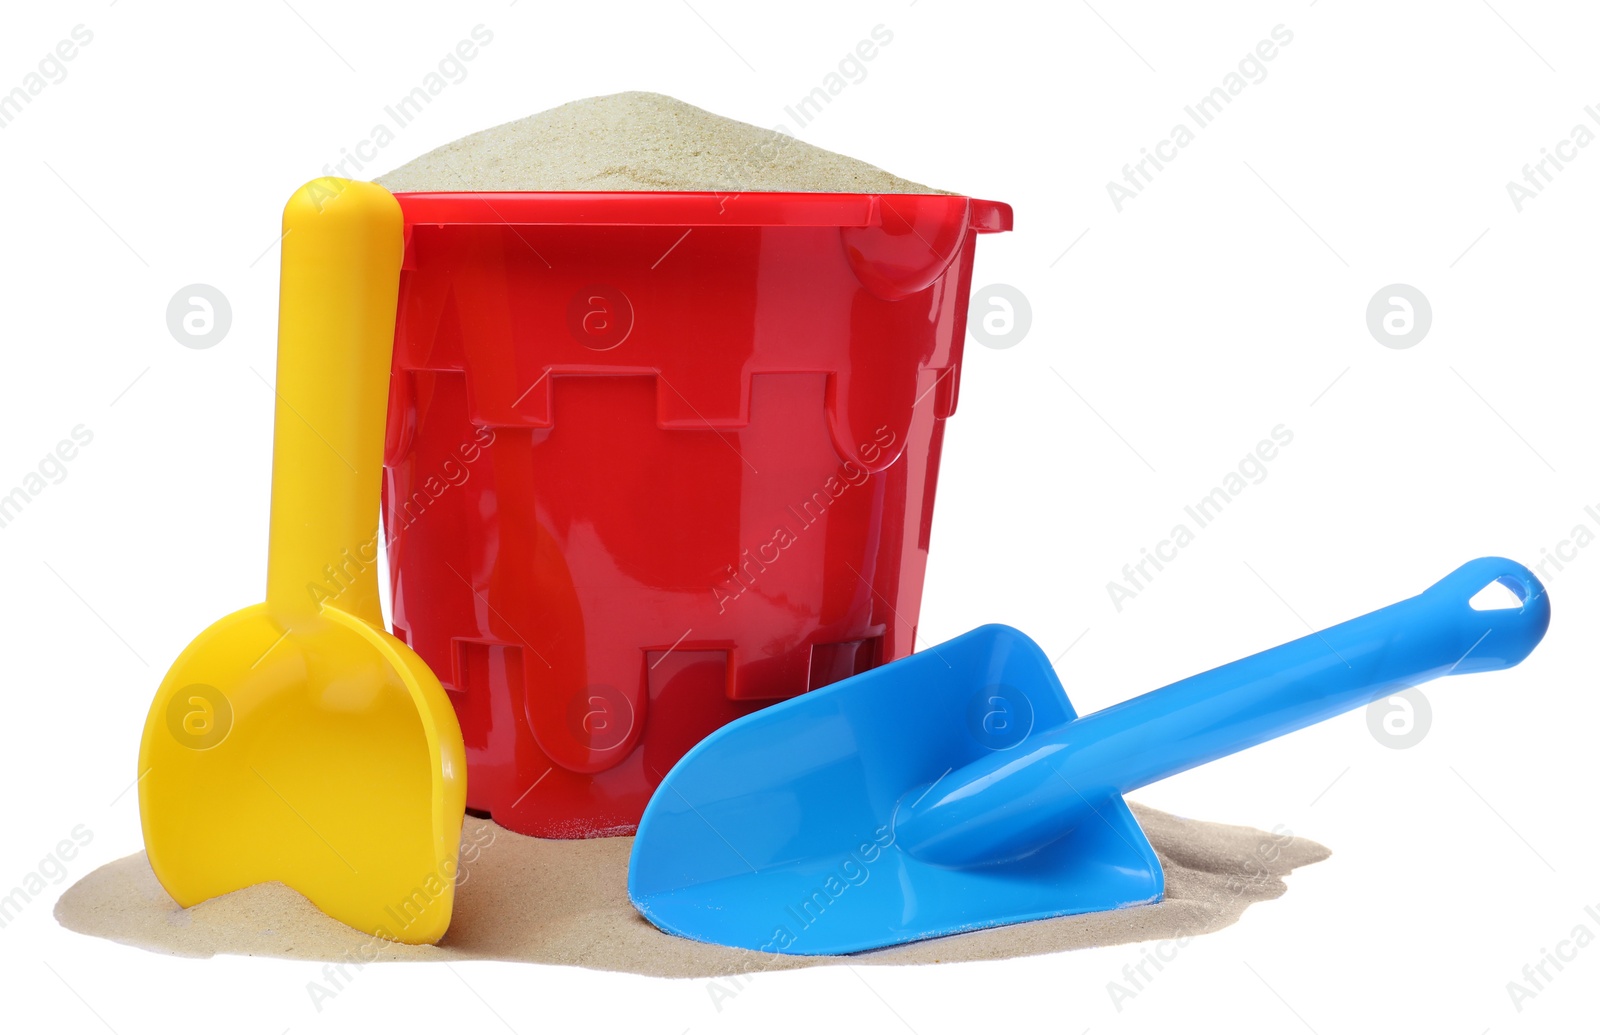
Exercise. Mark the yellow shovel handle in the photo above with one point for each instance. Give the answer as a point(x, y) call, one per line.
point(342, 245)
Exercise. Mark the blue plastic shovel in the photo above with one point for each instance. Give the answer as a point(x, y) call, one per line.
point(957, 789)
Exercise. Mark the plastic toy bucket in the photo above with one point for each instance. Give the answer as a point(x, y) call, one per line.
point(656, 460)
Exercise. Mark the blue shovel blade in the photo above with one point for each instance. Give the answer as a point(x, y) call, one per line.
point(776, 832)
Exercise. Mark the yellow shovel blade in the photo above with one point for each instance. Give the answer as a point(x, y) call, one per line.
point(328, 759)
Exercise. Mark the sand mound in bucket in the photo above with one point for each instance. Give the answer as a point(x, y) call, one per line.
point(639, 141)
point(529, 900)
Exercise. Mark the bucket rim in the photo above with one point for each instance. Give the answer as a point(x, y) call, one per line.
point(692, 208)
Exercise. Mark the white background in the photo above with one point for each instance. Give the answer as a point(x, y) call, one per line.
point(1229, 297)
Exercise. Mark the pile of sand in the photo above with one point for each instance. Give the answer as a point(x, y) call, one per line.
point(639, 141)
point(566, 903)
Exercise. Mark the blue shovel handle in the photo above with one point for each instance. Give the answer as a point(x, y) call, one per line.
point(1021, 799)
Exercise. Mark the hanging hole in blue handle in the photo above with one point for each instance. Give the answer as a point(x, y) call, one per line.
point(1506, 593)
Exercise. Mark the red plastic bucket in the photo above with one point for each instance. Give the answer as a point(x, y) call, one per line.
point(656, 460)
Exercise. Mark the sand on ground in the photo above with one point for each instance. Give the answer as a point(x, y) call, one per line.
point(639, 141)
point(530, 900)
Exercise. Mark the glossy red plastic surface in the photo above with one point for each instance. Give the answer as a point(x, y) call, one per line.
point(656, 460)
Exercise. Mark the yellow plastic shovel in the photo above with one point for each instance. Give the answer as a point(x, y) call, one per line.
point(295, 740)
